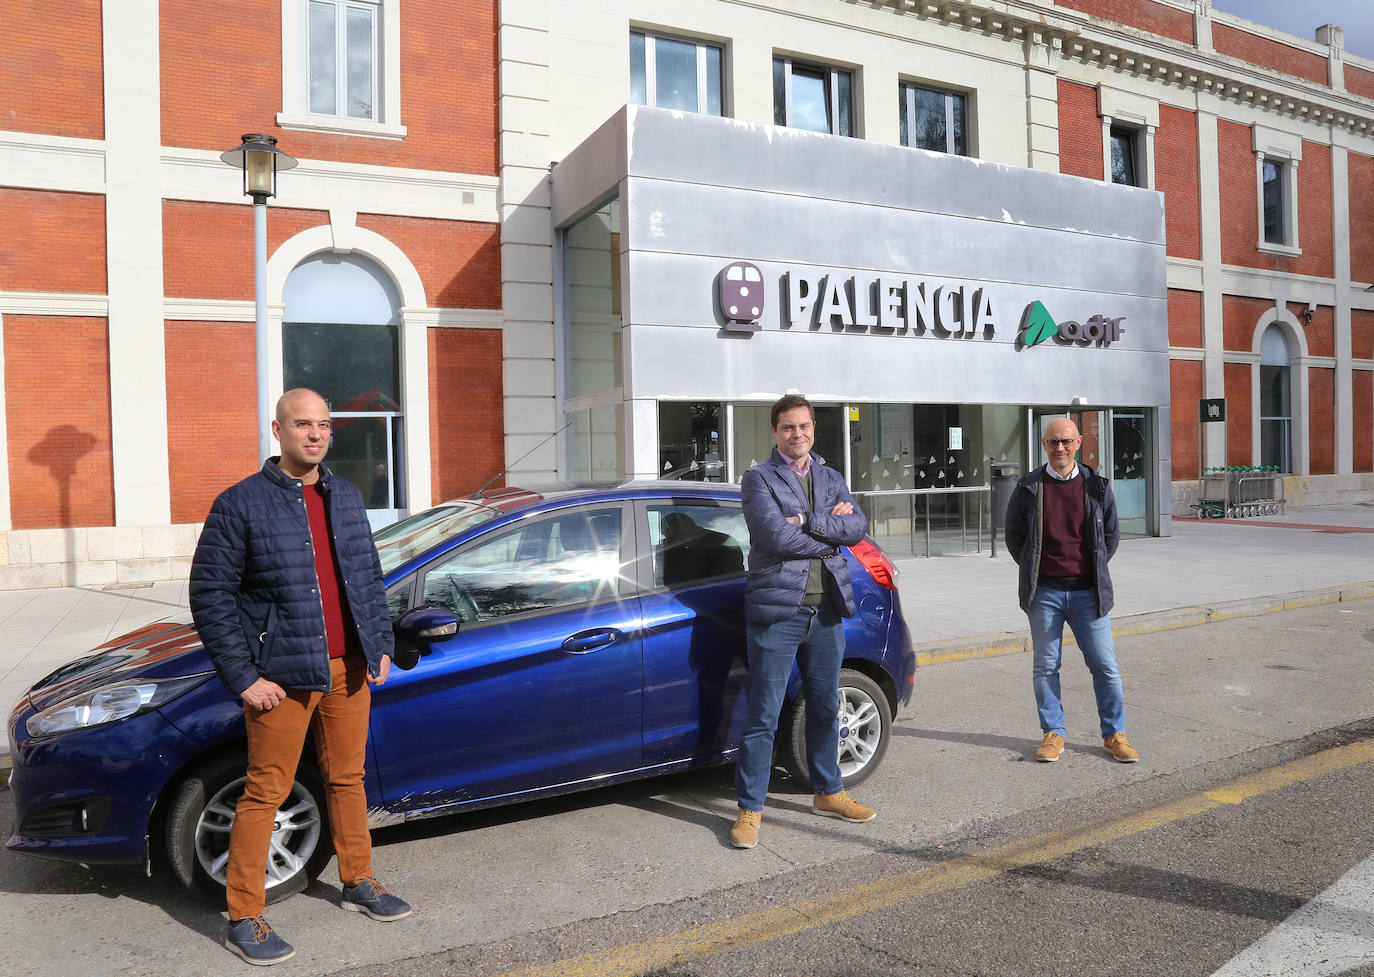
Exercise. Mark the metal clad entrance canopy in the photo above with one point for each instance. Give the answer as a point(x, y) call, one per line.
point(887, 274)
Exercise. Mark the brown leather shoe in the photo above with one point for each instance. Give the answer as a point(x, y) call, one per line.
point(1120, 750)
point(745, 833)
point(1050, 747)
point(843, 806)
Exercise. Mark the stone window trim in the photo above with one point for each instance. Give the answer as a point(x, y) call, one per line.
point(834, 74)
point(704, 46)
point(1130, 111)
point(906, 91)
point(295, 83)
point(1284, 148)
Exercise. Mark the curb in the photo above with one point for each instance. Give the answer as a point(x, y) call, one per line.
point(1013, 642)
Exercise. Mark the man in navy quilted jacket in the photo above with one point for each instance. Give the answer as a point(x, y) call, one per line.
point(800, 514)
point(286, 592)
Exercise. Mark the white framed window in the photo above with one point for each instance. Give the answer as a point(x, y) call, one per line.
point(341, 67)
point(1129, 122)
point(1124, 160)
point(676, 73)
point(1277, 155)
point(814, 97)
point(933, 119)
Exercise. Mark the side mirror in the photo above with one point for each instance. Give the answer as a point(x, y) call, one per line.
point(417, 629)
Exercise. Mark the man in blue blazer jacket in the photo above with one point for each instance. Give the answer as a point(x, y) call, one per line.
point(800, 514)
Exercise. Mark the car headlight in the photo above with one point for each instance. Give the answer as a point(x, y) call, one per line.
point(111, 704)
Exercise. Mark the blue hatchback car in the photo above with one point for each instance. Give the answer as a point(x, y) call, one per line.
point(547, 641)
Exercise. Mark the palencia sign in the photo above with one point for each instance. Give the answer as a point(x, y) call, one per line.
point(888, 305)
point(894, 305)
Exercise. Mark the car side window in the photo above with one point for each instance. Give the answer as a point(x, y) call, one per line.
point(398, 598)
point(569, 558)
point(692, 543)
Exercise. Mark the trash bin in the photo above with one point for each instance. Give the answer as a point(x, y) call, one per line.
point(1004, 476)
point(1003, 480)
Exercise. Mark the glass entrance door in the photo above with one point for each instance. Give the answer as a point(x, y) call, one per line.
point(1130, 456)
point(1116, 443)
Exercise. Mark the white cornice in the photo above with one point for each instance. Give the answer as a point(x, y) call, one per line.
point(214, 310)
point(456, 318)
point(197, 174)
point(1089, 40)
point(54, 303)
point(38, 162)
point(221, 310)
point(1240, 280)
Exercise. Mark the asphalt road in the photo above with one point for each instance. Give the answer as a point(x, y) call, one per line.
point(1251, 800)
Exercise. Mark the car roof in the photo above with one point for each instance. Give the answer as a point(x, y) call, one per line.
point(512, 499)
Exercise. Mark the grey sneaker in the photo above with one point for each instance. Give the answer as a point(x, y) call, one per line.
point(253, 939)
point(369, 897)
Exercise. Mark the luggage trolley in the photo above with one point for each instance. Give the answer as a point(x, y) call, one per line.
point(1258, 491)
point(1214, 499)
point(1240, 491)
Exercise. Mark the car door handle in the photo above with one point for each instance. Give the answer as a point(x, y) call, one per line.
point(585, 641)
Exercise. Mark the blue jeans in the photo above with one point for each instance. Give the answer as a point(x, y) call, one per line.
point(814, 639)
point(1049, 609)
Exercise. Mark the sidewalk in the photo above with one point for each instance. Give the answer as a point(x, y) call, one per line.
point(957, 606)
point(965, 606)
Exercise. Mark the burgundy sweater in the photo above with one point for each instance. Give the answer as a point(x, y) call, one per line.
point(1065, 550)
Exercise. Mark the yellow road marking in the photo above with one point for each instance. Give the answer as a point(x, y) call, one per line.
point(804, 914)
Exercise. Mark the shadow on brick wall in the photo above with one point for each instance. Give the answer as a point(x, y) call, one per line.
point(61, 449)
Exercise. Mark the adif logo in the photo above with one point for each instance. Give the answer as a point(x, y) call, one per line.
point(739, 294)
point(1037, 325)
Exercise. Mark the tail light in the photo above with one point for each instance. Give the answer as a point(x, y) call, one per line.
point(875, 561)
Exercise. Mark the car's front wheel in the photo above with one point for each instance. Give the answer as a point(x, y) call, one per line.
point(201, 817)
point(865, 724)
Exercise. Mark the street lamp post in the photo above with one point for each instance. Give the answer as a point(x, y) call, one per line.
point(260, 160)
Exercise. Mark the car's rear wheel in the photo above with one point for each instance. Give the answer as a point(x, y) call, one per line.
point(865, 725)
point(201, 816)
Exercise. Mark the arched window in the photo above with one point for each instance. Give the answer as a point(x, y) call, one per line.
point(341, 337)
point(1275, 400)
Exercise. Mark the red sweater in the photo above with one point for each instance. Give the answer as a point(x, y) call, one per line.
point(339, 629)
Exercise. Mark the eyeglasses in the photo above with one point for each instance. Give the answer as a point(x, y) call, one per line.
point(1060, 442)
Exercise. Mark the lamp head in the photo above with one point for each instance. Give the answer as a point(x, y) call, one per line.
point(260, 159)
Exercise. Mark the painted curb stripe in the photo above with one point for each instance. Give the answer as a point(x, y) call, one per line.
point(796, 917)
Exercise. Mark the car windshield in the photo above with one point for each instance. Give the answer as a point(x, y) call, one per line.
point(403, 541)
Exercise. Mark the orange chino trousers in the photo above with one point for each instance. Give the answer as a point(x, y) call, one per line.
point(276, 738)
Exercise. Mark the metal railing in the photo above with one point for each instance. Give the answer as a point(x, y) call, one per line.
point(923, 522)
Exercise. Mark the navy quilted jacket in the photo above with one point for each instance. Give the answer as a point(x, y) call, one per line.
point(254, 594)
point(780, 553)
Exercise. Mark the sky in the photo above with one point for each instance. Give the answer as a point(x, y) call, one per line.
point(1303, 17)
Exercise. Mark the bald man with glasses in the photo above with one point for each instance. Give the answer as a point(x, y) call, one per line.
point(1061, 528)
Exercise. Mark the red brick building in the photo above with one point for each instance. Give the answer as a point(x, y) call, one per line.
point(126, 266)
point(412, 261)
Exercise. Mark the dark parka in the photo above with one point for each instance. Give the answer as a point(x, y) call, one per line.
point(1024, 532)
point(780, 553)
point(254, 594)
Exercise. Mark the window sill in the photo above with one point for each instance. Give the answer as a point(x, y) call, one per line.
point(340, 127)
point(1271, 248)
